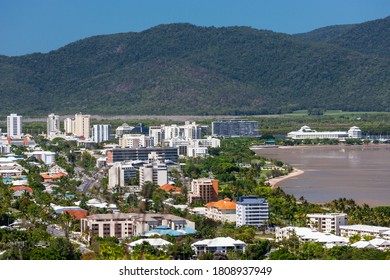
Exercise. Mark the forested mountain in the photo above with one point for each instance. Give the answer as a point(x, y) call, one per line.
point(372, 37)
point(186, 69)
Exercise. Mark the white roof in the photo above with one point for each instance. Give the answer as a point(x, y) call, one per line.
point(379, 242)
point(152, 241)
point(365, 228)
point(363, 244)
point(219, 242)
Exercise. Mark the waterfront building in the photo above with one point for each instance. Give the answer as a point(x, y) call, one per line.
point(306, 132)
point(101, 132)
point(53, 124)
point(14, 126)
point(220, 244)
point(251, 211)
point(327, 222)
point(222, 210)
point(140, 153)
point(121, 225)
point(203, 189)
point(235, 128)
point(355, 132)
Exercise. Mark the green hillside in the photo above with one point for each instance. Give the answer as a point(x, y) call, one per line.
point(185, 69)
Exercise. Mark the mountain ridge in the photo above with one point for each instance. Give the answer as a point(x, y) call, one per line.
point(186, 69)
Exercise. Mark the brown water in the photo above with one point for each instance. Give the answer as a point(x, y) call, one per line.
point(358, 172)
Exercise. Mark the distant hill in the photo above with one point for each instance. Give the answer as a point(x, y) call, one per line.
point(372, 37)
point(186, 69)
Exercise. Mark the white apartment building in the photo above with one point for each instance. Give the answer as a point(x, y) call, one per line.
point(306, 132)
point(14, 126)
point(53, 124)
point(119, 174)
point(327, 222)
point(135, 141)
point(156, 171)
point(251, 211)
point(47, 157)
point(310, 235)
point(101, 132)
point(69, 126)
point(363, 230)
point(190, 130)
point(123, 225)
point(79, 126)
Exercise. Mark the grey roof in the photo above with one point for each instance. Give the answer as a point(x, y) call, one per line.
point(244, 200)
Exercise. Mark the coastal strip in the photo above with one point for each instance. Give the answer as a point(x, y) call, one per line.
point(275, 181)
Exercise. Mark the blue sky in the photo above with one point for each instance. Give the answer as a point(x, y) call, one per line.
point(28, 26)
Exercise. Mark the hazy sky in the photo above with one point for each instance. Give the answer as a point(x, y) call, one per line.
point(28, 26)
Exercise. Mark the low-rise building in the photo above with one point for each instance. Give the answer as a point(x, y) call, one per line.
point(327, 222)
point(218, 245)
point(123, 225)
point(363, 230)
point(306, 132)
point(222, 210)
point(310, 235)
point(47, 157)
point(157, 243)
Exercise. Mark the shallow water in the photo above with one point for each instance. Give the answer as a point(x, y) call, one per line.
point(358, 172)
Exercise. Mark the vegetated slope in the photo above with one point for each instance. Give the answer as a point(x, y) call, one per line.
point(372, 37)
point(185, 69)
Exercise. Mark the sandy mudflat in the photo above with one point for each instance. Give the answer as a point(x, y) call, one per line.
point(274, 181)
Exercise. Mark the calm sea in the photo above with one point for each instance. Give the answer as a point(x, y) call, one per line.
point(358, 172)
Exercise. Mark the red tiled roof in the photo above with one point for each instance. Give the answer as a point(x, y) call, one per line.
point(21, 188)
point(225, 204)
point(77, 214)
point(170, 188)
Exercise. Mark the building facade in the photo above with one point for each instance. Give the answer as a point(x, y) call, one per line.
point(327, 222)
point(126, 154)
point(101, 132)
point(252, 211)
point(218, 245)
point(14, 126)
point(222, 210)
point(81, 125)
point(235, 128)
point(119, 175)
point(363, 230)
point(53, 124)
point(203, 189)
point(121, 225)
point(306, 132)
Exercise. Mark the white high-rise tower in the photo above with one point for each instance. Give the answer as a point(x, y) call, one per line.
point(14, 126)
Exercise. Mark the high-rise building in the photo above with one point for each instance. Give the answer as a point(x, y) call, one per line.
point(53, 124)
point(101, 132)
point(81, 125)
point(69, 126)
point(120, 173)
point(251, 211)
point(126, 154)
point(14, 126)
point(235, 128)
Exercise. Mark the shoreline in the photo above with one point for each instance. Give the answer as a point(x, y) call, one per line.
point(275, 181)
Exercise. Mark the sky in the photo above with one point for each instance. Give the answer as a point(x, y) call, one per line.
point(28, 26)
